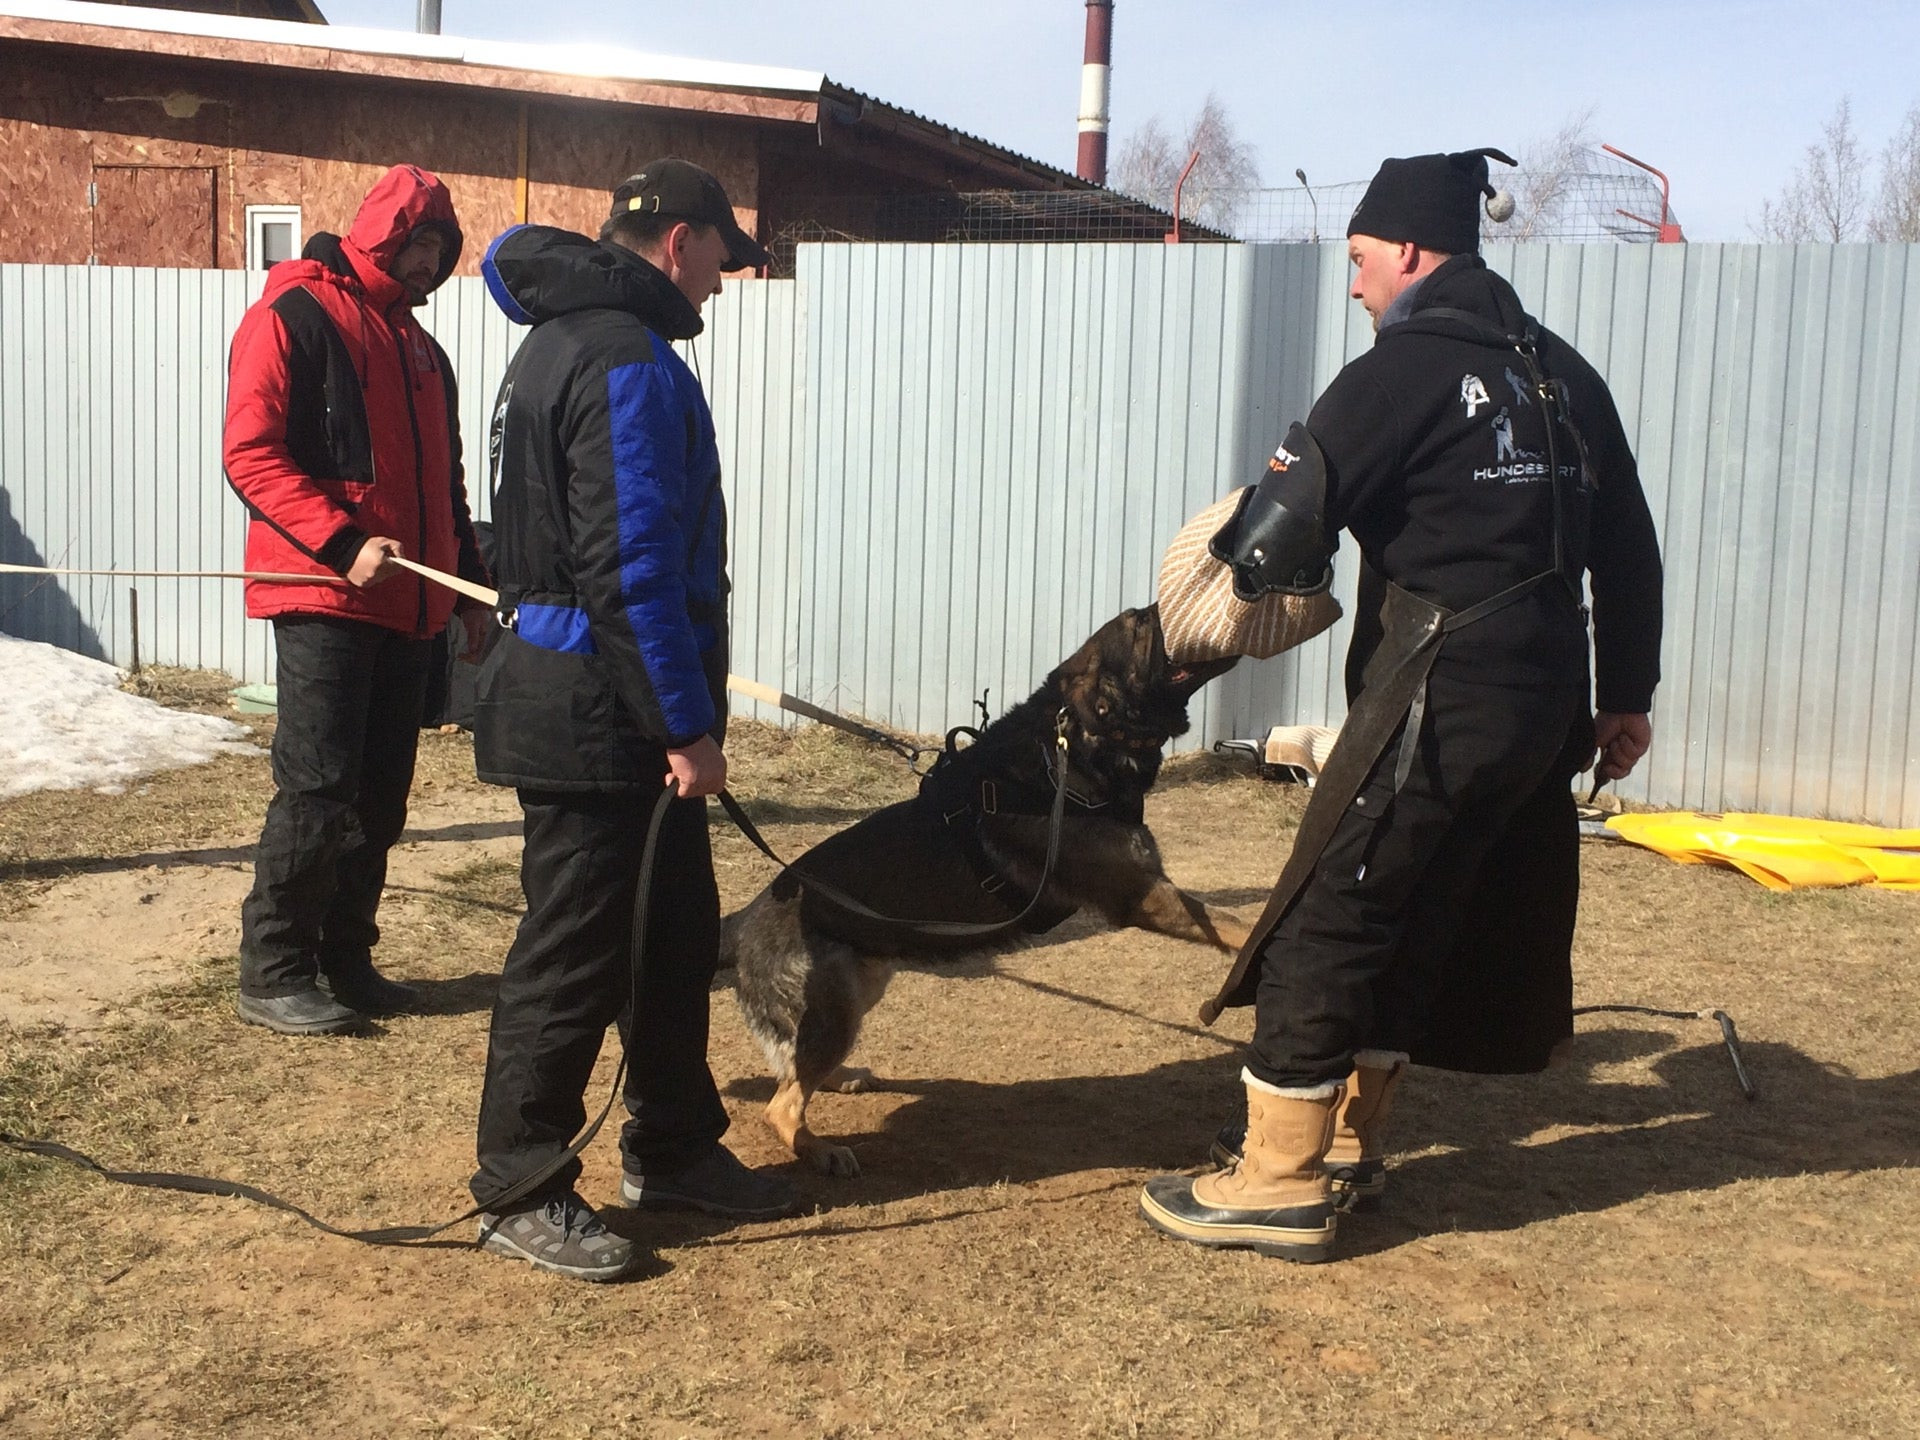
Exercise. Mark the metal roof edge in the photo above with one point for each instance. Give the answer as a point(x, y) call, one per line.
point(585, 60)
point(833, 90)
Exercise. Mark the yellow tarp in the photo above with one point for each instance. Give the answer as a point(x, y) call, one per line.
point(1781, 852)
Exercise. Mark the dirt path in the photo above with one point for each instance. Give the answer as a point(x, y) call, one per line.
point(92, 944)
point(1623, 1247)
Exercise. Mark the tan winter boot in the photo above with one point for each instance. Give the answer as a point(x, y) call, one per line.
point(1356, 1161)
point(1276, 1199)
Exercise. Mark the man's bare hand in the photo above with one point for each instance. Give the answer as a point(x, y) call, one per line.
point(1620, 741)
point(476, 623)
point(698, 769)
point(374, 563)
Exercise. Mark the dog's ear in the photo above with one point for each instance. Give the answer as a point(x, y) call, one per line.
point(1100, 683)
point(1076, 679)
point(1105, 649)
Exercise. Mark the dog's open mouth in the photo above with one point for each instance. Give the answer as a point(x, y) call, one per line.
point(1187, 676)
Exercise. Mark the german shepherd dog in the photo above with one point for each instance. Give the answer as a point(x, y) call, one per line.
point(970, 848)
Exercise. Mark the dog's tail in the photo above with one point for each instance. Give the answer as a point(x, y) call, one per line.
point(730, 940)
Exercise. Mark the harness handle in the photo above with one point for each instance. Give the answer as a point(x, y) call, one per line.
point(946, 929)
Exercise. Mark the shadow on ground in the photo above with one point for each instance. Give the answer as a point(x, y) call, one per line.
point(1474, 1161)
point(469, 994)
point(59, 866)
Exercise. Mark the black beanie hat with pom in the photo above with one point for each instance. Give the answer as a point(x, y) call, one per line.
point(1432, 201)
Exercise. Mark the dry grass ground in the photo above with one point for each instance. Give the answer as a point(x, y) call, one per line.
point(1621, 1248)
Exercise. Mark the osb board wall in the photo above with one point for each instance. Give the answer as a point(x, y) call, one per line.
point(319, 143)
point(154, 215)
point(579, 153)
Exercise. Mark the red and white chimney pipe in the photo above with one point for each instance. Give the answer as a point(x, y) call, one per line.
point(1096, 76)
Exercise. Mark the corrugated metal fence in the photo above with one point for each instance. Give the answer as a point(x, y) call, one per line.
point(947, 464)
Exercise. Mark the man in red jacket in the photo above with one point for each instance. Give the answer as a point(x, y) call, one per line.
point(342, 437)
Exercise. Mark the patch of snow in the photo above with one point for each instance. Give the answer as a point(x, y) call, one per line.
point(66, 725)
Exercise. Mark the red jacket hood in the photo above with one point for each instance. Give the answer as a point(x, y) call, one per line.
point(403, 200)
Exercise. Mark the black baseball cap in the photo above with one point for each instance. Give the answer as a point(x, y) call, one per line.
point(682, 190)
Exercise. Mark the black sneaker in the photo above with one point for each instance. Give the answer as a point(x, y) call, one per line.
point(718, 1184)
point(561, 1235)
point(305, 1012)
point(365, 989)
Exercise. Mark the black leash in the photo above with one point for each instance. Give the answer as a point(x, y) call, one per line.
point(395, 1235)
point(411, 1235)
point(946, 929)
point(407, 1235)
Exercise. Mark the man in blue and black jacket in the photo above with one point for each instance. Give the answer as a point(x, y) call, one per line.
point(611, 560)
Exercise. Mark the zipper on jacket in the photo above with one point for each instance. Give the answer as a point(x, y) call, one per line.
point(419, 478)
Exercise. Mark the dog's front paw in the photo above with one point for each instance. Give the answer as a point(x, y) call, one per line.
point(849, 1080)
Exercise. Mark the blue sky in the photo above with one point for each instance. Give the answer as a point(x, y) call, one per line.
point(1723, 95)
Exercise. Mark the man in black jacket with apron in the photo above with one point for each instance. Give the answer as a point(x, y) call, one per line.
point(610, 537)
point(1427, 910)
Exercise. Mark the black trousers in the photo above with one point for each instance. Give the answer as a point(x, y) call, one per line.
point(350, 698)
point(1439, 919)
point(569, 975)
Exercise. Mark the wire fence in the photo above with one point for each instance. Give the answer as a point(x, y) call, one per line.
point(1591, 196)
point(980, 216)
point(1569, 206)
point(1594, 197)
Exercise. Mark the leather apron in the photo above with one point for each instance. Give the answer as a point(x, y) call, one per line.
point(1393, 693)
point(1394, 688)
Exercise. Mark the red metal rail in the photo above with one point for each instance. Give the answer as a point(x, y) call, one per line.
point(1666, 229)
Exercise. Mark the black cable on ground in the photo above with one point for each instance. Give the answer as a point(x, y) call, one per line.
point(396, 1235)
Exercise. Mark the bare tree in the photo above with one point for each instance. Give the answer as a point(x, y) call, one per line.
point(1827, 197)
point(1147, 167)
point(1897, 216)
point(1546, 185)
point(1150, 163)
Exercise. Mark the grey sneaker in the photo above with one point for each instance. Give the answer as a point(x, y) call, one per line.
point(718, 1184)
point(305, 1012)
point(562, 1235)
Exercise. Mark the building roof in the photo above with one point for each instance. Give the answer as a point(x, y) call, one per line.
point(303, 11)
point(586, 71)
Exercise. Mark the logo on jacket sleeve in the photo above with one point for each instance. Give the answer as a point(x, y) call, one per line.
point(1473, 394)
point(497, 433)
point(1282, 459)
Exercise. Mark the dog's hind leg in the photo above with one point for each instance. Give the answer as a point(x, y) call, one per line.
point(870, 977)
point(841, 987)
point(787, 1113)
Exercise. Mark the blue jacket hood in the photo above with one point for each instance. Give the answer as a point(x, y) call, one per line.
point(538, 272)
